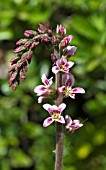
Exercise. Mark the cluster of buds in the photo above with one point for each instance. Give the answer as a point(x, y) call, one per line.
point(23, 53)
point(62, 52)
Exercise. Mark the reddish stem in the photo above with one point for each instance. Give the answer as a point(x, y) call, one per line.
point(59, 132)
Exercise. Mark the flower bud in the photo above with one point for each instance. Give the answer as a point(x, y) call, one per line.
point(28, 33)
point(66, 41)
point(44, 39)
point(34, 44)
point(22, 76)
point(23, 59)
point(29, 54)
point(21, 41)
point(53, 39)
point(27, 43)
point(17, 66)
point(19, 49)
point(53, 57)
point(67, 79)
point(25, 68)
point(14, 60)
point(14, 86)
point(60, 30)
point(70, 50)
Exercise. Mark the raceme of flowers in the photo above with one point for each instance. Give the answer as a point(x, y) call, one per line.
point(61, 63)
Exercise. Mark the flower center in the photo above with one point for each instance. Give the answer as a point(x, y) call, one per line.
point(62, 67)
point(56, 116)
point(68, 91)
point(51, 92)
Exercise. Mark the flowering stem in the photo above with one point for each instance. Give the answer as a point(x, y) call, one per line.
point(59, 132)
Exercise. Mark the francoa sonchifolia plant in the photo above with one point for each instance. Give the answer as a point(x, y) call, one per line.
point(64, 80)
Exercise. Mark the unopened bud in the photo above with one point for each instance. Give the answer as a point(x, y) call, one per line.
point(53, 57)
point(60, 30)
point(22, 76)
point(19, 49)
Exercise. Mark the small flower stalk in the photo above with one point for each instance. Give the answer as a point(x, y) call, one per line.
point(61, 53)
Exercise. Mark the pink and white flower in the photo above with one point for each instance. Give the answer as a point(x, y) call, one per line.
point(72, 125)
point(67, 89)
point(45, 90)
point(55, 113)
point(62, 65)
point(60, 30)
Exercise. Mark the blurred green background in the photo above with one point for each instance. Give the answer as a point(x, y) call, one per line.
point(24, 143)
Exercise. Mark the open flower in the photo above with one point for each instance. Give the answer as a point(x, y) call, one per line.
point(72, 125)
point(67, 89)
point(55, 113)
point(62, 65)
point(45, 90)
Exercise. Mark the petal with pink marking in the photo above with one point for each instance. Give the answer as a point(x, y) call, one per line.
point(39, 88)
point(47, 107)
point(61, 89)
point(46, 81)
point(70, 80)
point(66, 71)
point(68, 120)
point(41, 98)
point(55, 69)
point(70, 64)
point(78, 90)
point(75, 122)
point(61, 119)
point(70, 37)
point(47, 121)
point(50, 81)
point(54, 107)
point(72, 96)
point(61, 107)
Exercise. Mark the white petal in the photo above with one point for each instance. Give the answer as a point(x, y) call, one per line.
point(68, 121)
point(78, 90)
point(61, 119)
point(54, 107)
point(46, 81)
point(50, 81)
point(47, 107)
point(72, 96)
point(70, 64)
point(61, 89)
point(55, 69)
point(40, 99)
point(44, 78)
point(62, 107)
point(47, 121)
point(40, 90)
point(76, 122)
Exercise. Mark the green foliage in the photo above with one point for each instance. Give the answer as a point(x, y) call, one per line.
point(24, 143)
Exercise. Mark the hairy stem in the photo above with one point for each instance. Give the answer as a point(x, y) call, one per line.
point(59, 132)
